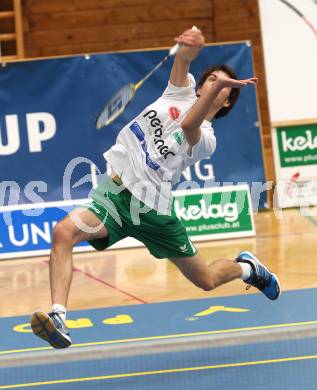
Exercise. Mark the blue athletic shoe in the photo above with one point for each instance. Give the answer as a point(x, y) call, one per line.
point(51, 328)
point(261, 277)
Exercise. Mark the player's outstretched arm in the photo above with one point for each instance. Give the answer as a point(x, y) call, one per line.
point(192, 42)
point(202, 109)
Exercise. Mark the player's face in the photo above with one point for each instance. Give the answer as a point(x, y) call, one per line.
point(222, 98)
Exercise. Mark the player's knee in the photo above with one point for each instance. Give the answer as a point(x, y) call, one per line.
point(63, 234)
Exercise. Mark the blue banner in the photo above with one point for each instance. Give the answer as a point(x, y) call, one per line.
point(50, 149)
point(26, 231)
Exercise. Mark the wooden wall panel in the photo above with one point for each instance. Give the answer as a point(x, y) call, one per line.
point(6, 5)
point(106, 33)
point(70, 6)
point(81, 26)
point(59, 27)
point(114, 16)
point(6, 26)
point(8, 48)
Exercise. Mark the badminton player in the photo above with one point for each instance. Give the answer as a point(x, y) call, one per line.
point(150, 153)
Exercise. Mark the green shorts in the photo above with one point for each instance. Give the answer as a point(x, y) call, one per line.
point(119, 211)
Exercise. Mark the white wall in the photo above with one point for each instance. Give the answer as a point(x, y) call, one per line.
point(290, 50)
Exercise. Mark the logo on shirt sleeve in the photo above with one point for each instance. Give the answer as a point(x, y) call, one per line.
point(174, 113)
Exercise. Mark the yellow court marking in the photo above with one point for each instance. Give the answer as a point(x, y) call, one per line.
point(160, 372)
point(205, 333)
point(215, 309)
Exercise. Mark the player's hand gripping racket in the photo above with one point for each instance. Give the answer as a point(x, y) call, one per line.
point(117, 104)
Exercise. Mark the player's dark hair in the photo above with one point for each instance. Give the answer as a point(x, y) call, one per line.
point(235, 92)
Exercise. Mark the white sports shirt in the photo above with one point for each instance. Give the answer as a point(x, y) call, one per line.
point(151, 151)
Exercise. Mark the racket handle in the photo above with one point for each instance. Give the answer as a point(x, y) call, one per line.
point(176, 47)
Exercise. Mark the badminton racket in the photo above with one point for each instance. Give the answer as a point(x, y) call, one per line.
point(119, 101)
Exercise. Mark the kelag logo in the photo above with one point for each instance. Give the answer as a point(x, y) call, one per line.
point(214, 210)
point(297, 145)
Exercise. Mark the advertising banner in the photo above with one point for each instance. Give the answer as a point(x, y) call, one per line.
point(295, 159)
point(207, 214)
point(215, 213)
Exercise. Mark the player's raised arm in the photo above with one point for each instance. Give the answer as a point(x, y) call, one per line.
point(192, 42)
point(213, 95)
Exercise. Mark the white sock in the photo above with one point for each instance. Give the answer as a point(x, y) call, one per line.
point(246, 270)
point(60, 309)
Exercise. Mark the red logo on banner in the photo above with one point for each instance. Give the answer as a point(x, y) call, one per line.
point(292, 183)
point(174, 113)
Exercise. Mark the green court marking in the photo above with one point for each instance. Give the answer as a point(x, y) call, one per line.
point(206, 333)
point(161, 372)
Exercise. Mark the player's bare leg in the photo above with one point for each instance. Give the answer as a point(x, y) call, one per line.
point(207, 276)
point(246, 266)
point(80, 225)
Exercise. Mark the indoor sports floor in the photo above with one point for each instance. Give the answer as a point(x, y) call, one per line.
point(231, 368)
point(137, 323)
